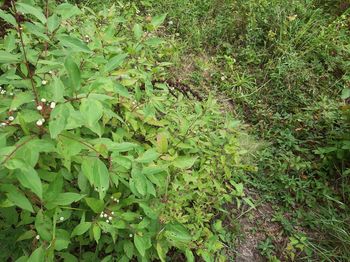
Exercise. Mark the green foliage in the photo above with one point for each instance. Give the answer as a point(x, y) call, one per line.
point(98, 163)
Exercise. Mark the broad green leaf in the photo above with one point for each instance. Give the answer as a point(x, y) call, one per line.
point(162, 143)
point(142, 243)
point(345, 93)
point(57, 90)
point(139, 180)
point(65, 199)
point(189, 255)
point(20, 200)
point(73, 72)
point(148, 156)
point(138, 31)
point(8, 58)
point(58, 119)
point(67, 10)
point(128, 248)
point(178, 235)
point(38, 255)
point(10, 41)
point(53, 22)
point(114, 62)
point(158, 20)
point(62, 239)
point(92, 111)
point(81, 229)
point(149, 211)
point(29, 178)
point(8, 18)
point(184, 162)
point(96, 205)
point(28, 9)
point(123, 147)
point(122, 90)
point(27, 235)
point(97, 173)
point(43, 225)
point(74, 43)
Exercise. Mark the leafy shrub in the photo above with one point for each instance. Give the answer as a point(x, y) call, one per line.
point(100, 158)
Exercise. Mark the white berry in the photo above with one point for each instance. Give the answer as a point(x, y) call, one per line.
point(11, 118)
point(61, 218)
point(52, 105)
point(39, 108)
point(44, 82)
point(43, 100)
point(39, 123)
point(37, 237)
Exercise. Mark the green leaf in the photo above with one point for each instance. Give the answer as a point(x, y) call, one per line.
point(28, 9)
point(149, 211)
point(138, 31)
point(114, 62)
point(38, 255)
point(149, 156)
point(162, 143)
point(123, 147)
point(178, 235)
point(128, 248)
point(53, 22)
point(62, 239)
point(142, 243)
point(96, 230)
point(8, 58)
point(73, 72)
point(8, 18)
point(57, 90)
point(97, 173)
point(26, 235)
point(81, 229)
point(58, 119)
point(20, 200)
point(122, 90)
point(92, 111)
point(43, 225)
point(158, 20)
point(139, 180)
point(345, 93)
point(96, 205)
point(184, 162)
point(29, 178)
point(65, 199)
point(74, 43)
point(67, 10)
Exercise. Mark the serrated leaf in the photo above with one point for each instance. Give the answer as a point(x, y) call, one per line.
point(8, 58)
point(8, 18)
point(28, 9)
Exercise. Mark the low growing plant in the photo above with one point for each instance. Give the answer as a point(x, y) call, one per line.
point(100, 158)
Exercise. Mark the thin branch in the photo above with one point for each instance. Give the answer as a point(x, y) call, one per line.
point(15, 150)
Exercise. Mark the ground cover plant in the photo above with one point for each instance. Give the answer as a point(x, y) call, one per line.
point(103, 158)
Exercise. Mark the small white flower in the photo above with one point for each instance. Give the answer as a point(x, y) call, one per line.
point(39, 122)
point(107, 220)
point(39, 108)
point(50, 72)
point(105, 215)
point(43, 100)
point(110, 218)
point(43, 120)
point(137, 11)
point(61, 218)
point(223, 78)
point(101, 215)
point(117, 200)
point(11, 118)
point(141, 217)
point(3, 92)
point(52, 105)
point(170, 22)
point(37, 237)
point(177, 34)
point(11, 94)
point(3, 124)
point(112, 213)
point(86, 36)
point(130, 235)
point(44, 82)
point(13, 109)
point(21, 28)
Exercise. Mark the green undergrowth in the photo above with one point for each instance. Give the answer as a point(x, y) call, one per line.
point(102, 160)
point(284, 68)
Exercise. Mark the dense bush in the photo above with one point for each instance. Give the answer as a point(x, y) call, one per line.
point(100, 158)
